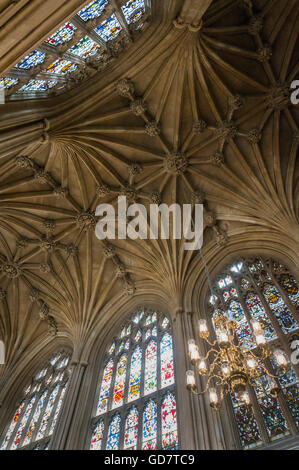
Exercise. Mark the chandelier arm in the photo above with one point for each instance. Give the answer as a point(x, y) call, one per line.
point(268, 373)
point(206, 387)
point(209, 352)
point(210, 343)
point(264, 390)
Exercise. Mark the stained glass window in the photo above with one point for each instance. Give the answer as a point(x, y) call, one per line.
point(36, 417)
point(38, 85)
point(64, 34)
point(113, 433)
point(105, 389)
point(61, 66)
point(31, 60)
point(149, 435)
point(8, 82)
point(290, 285)
point(167, 368)
point(135, 374)
point(133, 10)
point(86, 47)
point(169, 423)
point(120, 380)
point(136, 367)
point(97, 436)
point(150, 375)
point(109, 29)
point(131, 430)
point(92, 10)
point(243, 331)
point(69, 38)
point(279, 309)
point(261, 288)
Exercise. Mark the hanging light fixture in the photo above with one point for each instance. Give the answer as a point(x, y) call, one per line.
point(232, 367)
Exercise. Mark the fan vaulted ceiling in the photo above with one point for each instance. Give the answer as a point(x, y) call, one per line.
point(196, 110)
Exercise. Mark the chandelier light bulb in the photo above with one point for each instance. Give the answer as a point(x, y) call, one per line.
point(257, 329)
point(245, 398)
point(191, 346)
point(202, 367)
point(225, 370)
point(214, 402)
point(223, 339)
point(251, 363)
point(203, 329)
point(274, 388)
point(190, 378)
point(280, 358)
point(260, 340)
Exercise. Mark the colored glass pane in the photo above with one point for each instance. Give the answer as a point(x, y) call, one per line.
point(8, 82)
point(38, 85)
point(149, 437)
point(138, 336)
point(279, 309)
point(85, 48)
point(165, 322)
point(291, 287)
point(150, 376)
point(97, 436)
point(133, 10)
point(31, 60)
point(105, 388)
point(243, 331)
point(35, 418)
point(120, 380)
point(109, 29)
point(111, 349)
point(61, 66)
point(257, 311)
point(169, 423)
point(12, 426)
point(113, 433)
point(247, 425)
point(135, 375)
point(131, 430)
point(92, 10)
point(62, 35)
point(167, 369)
point(23, 423)
point(57, 411)
point(48, 412)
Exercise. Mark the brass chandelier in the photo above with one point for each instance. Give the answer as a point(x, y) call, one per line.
point(232, 367)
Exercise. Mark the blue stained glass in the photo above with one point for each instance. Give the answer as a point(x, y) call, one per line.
point(61, 66)
point(257, 311)
point(38, 85)
point(243, 331)
point(92, 10)
point(109, 29)
point(31, 60)
point(8, 82)
point(85, 48)
point(113, 433)
point(64, 34)
point(133, 10)
point(149, 439)
point(279, 309)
